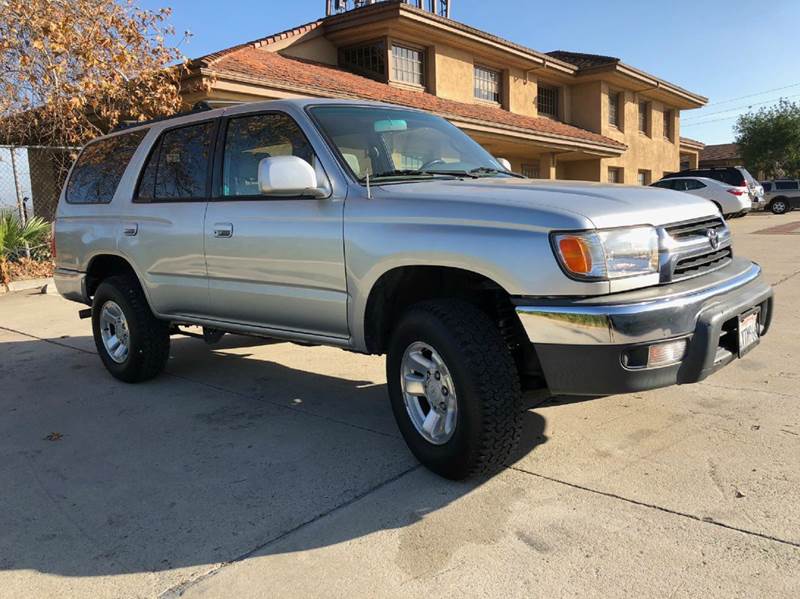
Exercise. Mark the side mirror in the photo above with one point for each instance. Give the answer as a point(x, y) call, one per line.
point(504, 163)
point(288, 176)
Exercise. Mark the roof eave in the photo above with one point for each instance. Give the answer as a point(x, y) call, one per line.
point(552, 139)
point(690, 99)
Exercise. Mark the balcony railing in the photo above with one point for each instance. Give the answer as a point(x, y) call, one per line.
point(437, 7)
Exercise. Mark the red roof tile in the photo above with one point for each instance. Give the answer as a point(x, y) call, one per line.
point(720, 152)
point(318, 79)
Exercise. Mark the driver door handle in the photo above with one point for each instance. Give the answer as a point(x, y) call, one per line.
point(223, 230)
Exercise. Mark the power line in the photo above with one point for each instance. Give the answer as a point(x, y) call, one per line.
point(703, 116)
point(728, 118)
point(767, 91)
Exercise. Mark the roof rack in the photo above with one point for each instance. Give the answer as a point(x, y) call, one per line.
point(201, 106)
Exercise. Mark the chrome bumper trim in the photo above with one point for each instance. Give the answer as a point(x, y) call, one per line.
point(637, 317)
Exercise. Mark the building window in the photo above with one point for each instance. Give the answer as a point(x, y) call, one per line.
point(487, 84)
point(668, 121)
point(547, 101)
point(408, 65)
point(643, 177)
point(369, 59)
point(614, 174)
point(614, 109)
point(531, 171)
point(644, 117)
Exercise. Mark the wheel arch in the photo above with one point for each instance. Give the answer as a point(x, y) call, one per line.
point(104, 265)
point(402, 286)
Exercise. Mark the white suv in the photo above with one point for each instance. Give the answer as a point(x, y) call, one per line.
point(731, 200)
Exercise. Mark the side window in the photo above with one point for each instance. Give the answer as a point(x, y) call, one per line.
point(692, 184)
point(786, 185)
point(178, 166)
point(679, 185)
point(249, 139)
point(767, 186)
point(100, 167)
point(666, 184)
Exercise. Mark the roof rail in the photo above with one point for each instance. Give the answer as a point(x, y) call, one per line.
point(201, 106)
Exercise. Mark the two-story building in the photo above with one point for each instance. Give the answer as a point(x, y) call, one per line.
point(555, 115)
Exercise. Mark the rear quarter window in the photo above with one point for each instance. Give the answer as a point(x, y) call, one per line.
point(100, 167)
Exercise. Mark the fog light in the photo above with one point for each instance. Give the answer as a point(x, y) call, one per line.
point(664, 354)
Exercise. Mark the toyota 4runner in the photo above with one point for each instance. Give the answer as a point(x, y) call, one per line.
point(386, 230)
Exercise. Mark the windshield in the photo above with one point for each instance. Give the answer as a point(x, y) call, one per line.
point(398, 144)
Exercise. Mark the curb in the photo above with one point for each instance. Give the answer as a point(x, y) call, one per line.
point(44, 285)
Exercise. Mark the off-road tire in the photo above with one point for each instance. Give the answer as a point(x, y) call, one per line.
point(487, 387)
point(149, 337)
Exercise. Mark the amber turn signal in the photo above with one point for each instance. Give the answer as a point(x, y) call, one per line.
point(576, 254)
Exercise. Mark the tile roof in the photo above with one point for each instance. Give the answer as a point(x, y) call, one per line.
point(316, 79)
point(583, 61)
point(720, 152)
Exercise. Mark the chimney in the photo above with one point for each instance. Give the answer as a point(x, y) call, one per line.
point(437, 7)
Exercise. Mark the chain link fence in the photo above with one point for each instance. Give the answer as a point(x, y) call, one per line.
point(31, 178)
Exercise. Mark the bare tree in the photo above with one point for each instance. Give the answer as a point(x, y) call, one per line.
point(73, 69)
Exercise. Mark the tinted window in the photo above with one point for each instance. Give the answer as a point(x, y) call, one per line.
point(100, 167)
point(786, 185)
point(250, 139)
point(731, 175)
point(767, 186)
point(692, 184)
point(177, 168)
point(665, 184)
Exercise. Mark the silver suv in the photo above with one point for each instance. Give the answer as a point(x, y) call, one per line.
point(385, 230)
point(782, 196)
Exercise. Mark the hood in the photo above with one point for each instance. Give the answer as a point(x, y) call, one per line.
point(603, 204)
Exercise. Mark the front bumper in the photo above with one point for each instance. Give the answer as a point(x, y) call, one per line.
point(580, 343)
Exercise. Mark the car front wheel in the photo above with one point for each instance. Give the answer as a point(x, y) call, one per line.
point(454, 389)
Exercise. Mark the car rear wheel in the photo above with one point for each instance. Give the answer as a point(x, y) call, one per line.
point(454, 389)
point(133, 344)
point(778, 206)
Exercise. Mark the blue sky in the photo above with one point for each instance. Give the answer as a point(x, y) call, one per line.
point(724, 50)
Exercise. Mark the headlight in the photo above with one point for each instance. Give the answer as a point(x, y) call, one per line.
point(609, 254)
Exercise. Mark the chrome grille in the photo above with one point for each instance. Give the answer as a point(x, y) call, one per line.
point(687, 230)
point(700, 264)
point(695, 247)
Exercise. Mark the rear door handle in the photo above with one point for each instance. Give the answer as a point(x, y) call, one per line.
point(223, 230)
point(130, 229)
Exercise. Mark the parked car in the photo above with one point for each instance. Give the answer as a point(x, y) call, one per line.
point(782, 195)
point(386, 230)
point(730, 200)
point(735, 176)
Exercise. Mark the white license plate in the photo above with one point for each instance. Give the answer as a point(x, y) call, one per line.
point(748, 332)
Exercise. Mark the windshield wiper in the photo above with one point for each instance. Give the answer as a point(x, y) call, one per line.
point(405, 173)
point(485, 170)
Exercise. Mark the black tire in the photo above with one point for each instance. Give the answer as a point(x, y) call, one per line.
point(487, 385)
point(779, 206)
point(148, 337)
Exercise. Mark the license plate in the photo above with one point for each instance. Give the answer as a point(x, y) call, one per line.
point(748, 331)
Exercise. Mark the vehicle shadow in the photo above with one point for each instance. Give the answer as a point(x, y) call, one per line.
point(103, 478)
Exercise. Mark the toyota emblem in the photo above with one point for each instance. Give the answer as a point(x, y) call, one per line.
point(713, 238)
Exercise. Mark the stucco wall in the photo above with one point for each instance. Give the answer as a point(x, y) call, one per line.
point(650, 151)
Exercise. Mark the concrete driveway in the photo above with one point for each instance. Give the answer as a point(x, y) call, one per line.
point(271, 470)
